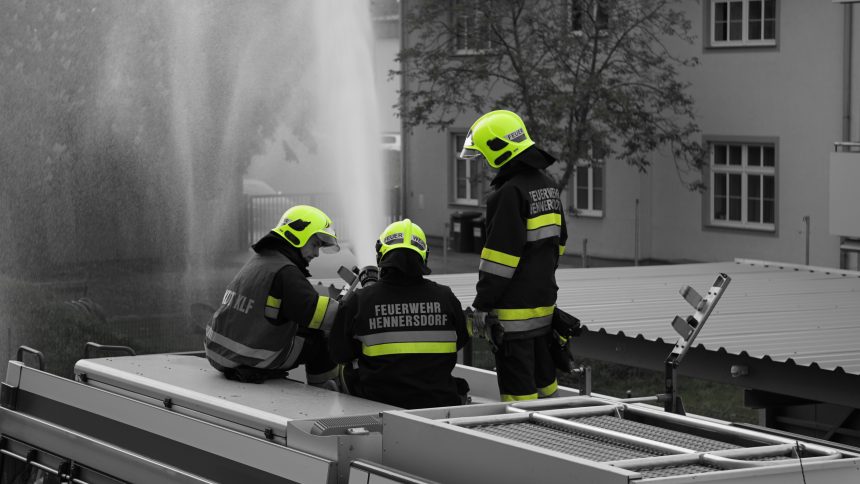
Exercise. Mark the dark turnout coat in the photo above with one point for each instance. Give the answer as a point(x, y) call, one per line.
point(526, 234)
point(268, 312)
point(404, 332)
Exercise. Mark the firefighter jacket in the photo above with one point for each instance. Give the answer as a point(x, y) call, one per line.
point(404, 331)
point(526, 234)
point(268, 310)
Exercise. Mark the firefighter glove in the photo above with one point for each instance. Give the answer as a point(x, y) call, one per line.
point(479, 323)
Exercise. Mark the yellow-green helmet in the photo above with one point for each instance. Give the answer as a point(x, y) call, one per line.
point(402, 234)
point(300, 223)
point(497, 136)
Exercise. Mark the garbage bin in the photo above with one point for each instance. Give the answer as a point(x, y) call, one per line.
point(479, 234)
point(462, 237)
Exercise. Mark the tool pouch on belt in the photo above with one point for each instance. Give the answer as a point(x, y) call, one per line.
point(564, 327)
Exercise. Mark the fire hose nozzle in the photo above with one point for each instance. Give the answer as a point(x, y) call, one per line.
point(368, 275)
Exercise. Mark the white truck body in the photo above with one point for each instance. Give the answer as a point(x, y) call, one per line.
point(172, 418)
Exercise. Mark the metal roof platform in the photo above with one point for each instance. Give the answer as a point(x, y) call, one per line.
point(599, 440)
point(188, 384)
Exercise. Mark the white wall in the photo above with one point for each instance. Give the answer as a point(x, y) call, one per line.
point(384, 53)
point(792, 93)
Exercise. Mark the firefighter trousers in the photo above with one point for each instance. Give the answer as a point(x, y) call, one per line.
point(525, 369)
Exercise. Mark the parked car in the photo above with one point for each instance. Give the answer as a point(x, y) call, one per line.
point(254, 187)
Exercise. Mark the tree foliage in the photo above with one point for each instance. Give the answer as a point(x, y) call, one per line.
point(593, 79)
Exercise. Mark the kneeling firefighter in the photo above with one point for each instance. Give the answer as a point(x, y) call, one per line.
point(271, 318)
point(398, 338)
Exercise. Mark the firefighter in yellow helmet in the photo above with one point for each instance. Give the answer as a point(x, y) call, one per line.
point(271, 319)
point(398, 338)
point(526, 234)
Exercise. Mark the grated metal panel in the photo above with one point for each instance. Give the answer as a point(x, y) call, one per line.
point(676, 470)
point(770, 458)
point(566, 441)
point(693, 442)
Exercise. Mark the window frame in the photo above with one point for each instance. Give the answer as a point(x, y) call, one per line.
point(745, 170)
point(744, 41)
point(456, 139)
point(599, 12)
point(456, 14)
point(590, 212)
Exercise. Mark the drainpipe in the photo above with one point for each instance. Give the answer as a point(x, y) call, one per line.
point(403, 133)
point(636, 235)
point(847, 40)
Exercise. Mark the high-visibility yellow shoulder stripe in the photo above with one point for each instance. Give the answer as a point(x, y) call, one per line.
point(514, 398)
point(319, 312)
point(273, 306)
point(409, 348)
point(527, 313)
point(273, 302)
point(500, 257)
point(543, 220)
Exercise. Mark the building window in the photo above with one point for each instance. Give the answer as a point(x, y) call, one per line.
point(743, 185)
point(587, 192)
point(470, 28)
point(470, 177)
point(585, 12)
point(737, 23)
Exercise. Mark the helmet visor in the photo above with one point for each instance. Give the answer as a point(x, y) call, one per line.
point(471, 154)
point(327, 241)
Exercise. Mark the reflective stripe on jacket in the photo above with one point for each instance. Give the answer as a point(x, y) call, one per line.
point(408, 342)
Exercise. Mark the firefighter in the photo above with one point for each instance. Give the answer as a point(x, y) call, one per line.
point(271, 318)
point(526, 234)
point(398, 338)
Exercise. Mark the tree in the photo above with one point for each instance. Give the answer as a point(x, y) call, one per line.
point(593, 79)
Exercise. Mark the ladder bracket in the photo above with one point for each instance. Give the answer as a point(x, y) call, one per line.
point(685, 327)
point(693, 298)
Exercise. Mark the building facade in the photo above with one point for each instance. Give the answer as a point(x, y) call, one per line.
point(772, 93)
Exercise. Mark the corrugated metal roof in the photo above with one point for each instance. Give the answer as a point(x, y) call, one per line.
point(806, 315)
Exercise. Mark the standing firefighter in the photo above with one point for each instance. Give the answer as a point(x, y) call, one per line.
point(403, 330)
point(271, 318)
point(526, 233)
